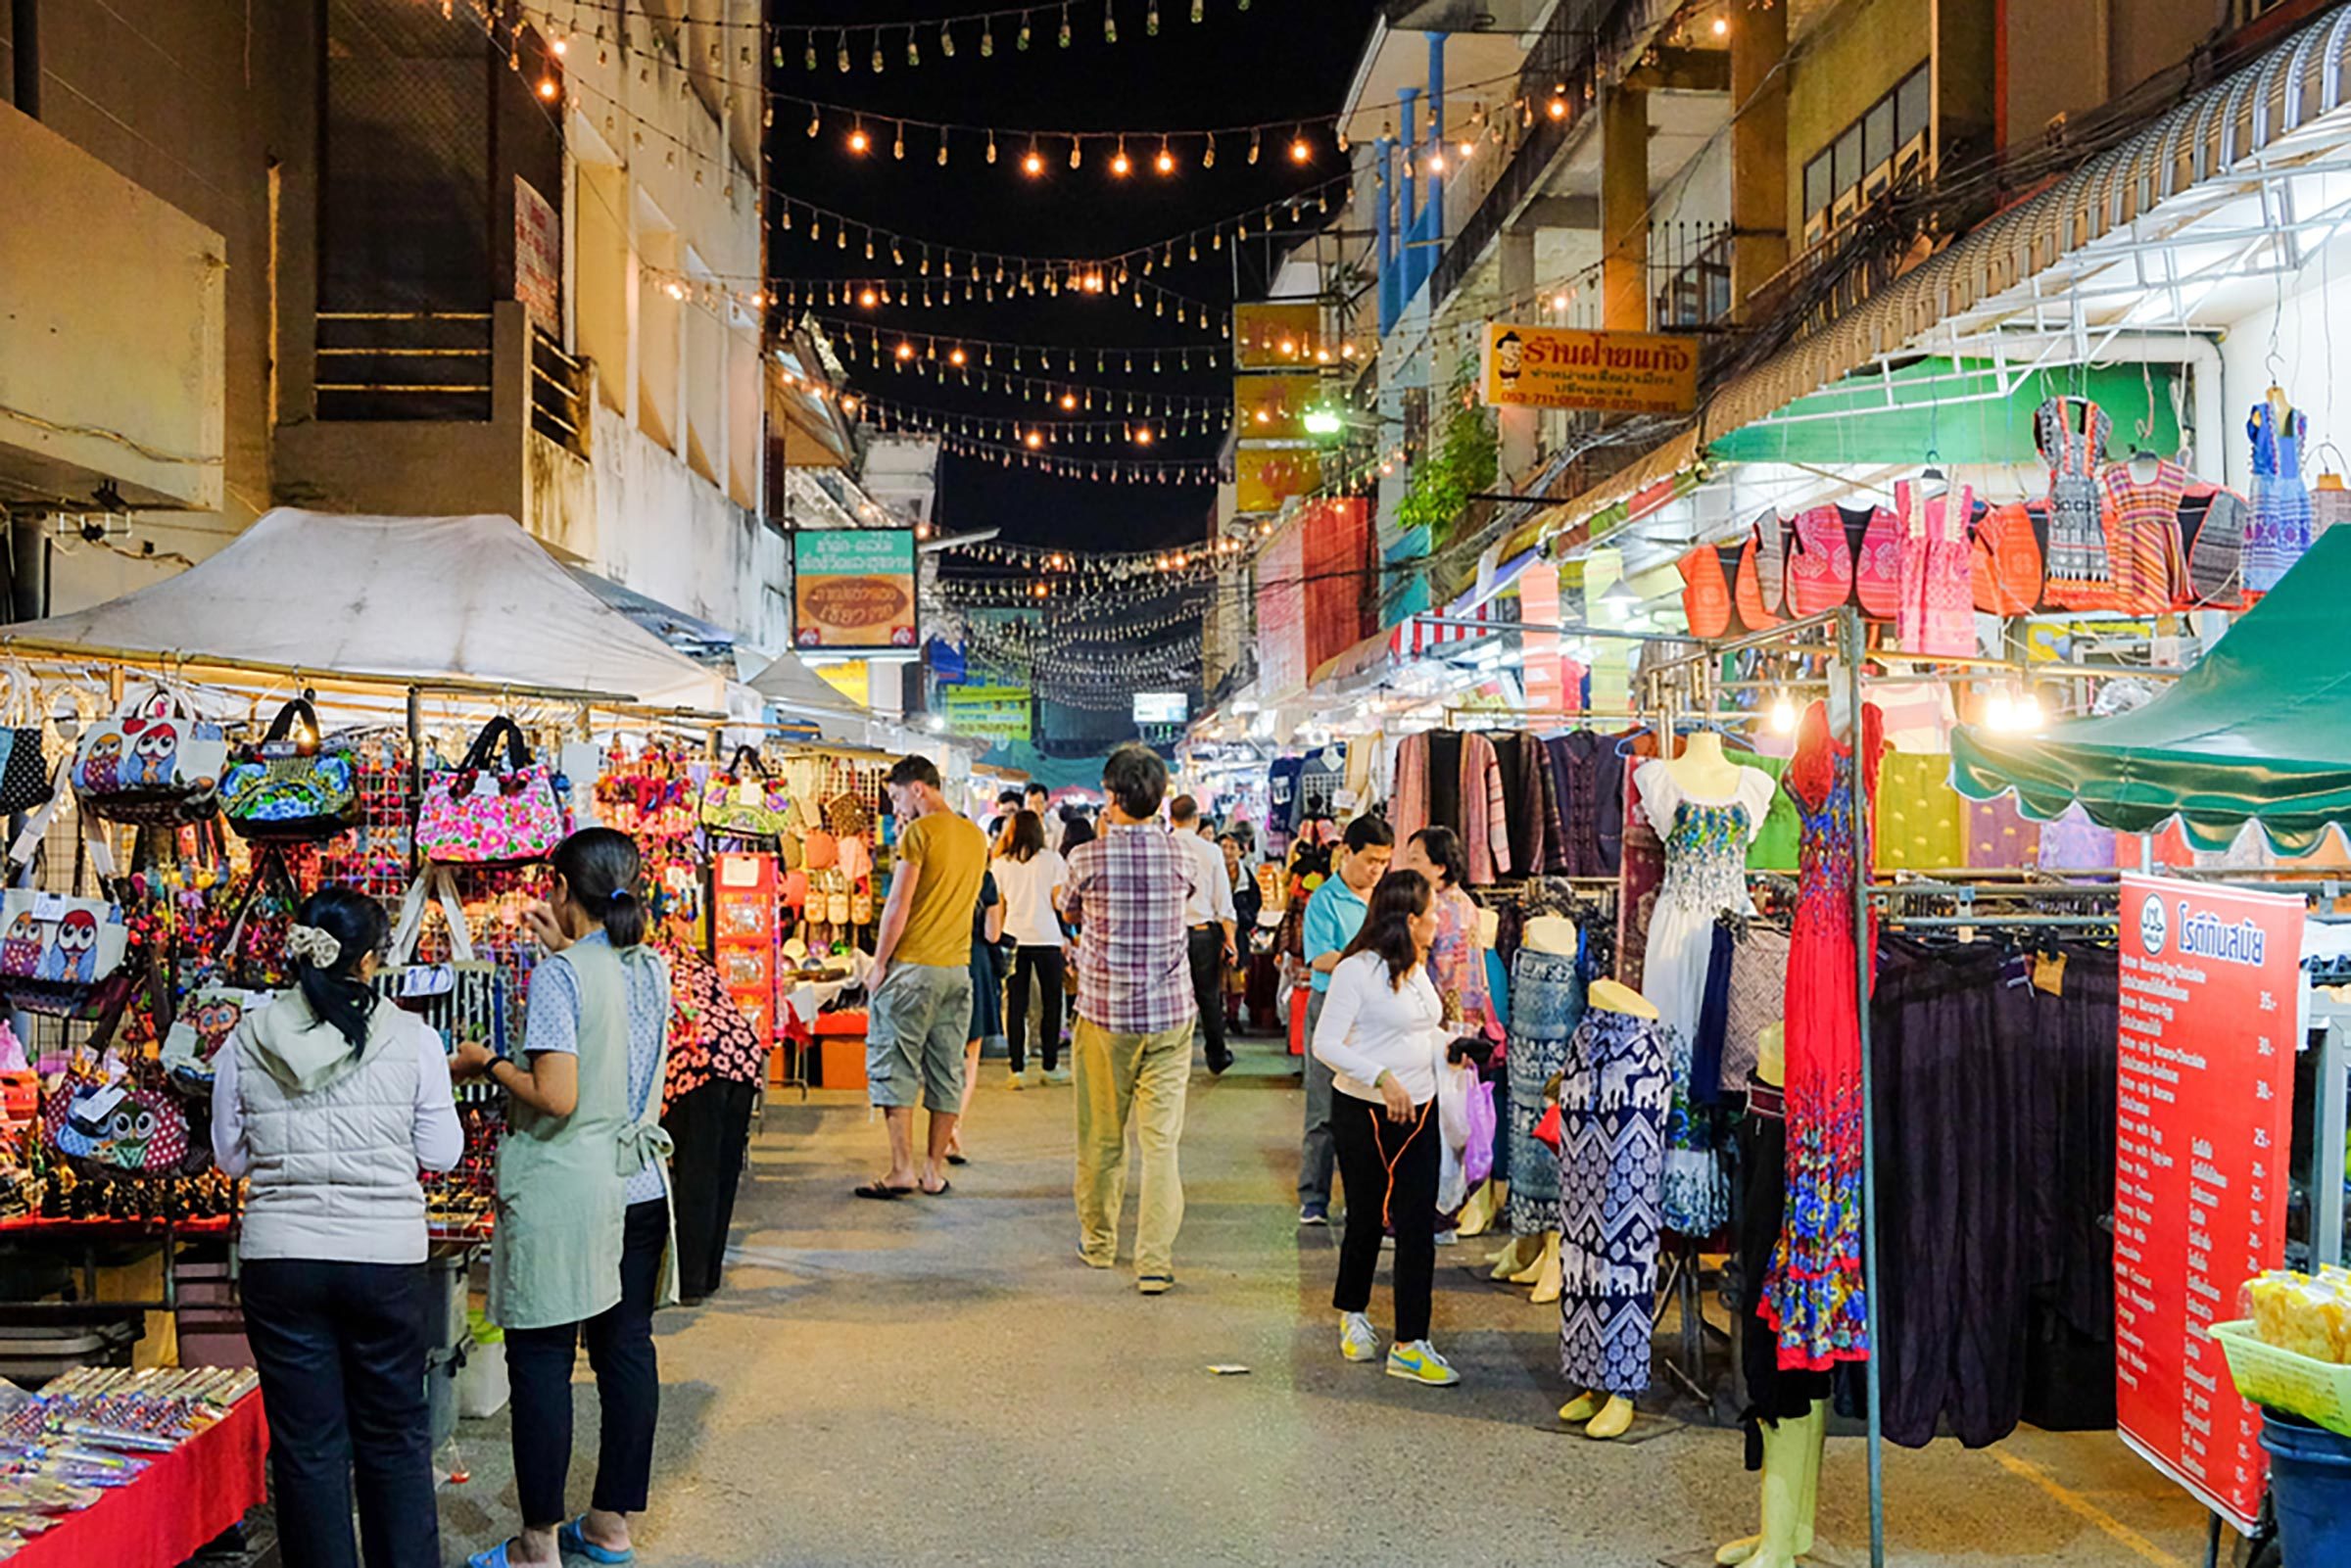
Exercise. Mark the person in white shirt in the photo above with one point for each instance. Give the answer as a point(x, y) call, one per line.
point(1209, 921)
point(1031, 879)
point(1381, 1033)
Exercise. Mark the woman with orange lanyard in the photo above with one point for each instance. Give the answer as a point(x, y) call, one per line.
point(1382, 1035)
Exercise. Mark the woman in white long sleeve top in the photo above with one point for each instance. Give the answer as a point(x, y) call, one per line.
point(328, 1102)
point(1381, 1033)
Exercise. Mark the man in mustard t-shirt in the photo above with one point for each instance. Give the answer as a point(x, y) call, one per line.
point(921, 981)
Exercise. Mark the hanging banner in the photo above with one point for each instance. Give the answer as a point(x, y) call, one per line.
point(1281, 665)
point(852, 589)
point(2211, 982)
point(1559, 367)
point(989, 712)
point(539, 258)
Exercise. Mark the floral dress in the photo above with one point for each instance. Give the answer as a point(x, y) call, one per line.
point(2072, 433)
point(1613, 1095)
point(1457, 962)
point(1706, 875)
point(1813, 1295)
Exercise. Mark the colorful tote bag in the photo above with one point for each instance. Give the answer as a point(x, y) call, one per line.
point(292, 785)
point(155, 762)
point(118, 1126)
point(211, 1014)
point(743, 802)
point(70, 943)
point(491, 810)
point(26, 780)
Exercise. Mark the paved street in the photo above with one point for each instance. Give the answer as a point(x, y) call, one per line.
point(941, 1381)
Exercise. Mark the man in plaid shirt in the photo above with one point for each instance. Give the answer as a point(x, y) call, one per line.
point(1133, 1048)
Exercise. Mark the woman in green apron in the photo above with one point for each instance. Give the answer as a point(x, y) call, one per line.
point(581, 1250)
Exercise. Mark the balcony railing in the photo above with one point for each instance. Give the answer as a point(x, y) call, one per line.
point(1693, 262)
point(404, 364)
point(559, 394)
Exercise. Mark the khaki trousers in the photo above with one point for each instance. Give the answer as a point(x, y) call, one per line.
point(1142, 1077)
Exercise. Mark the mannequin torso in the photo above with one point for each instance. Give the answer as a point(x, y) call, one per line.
point(1701, 772)
point(1555, 935)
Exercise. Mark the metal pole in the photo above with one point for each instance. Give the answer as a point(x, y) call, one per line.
point(1850, 637)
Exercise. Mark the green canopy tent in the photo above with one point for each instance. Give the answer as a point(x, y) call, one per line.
point(2260, 731)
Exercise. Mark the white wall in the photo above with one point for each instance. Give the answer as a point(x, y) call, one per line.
point(666, 532)
point(2312, 326)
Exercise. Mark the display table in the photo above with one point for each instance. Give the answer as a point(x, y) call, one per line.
point(180, 1504)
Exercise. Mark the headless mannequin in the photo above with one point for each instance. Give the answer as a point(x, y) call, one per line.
point(1609, 1415)
point(1702, 770)
point(1791, 1448)
point(1532, 1259)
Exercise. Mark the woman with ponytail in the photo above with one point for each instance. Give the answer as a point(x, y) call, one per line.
point(328, 1102)
point(581, 1250)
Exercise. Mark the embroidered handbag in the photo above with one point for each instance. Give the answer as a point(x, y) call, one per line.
point(481, 814)
point(26, 780)
point(206, 1020)
point(118, 1125)
point(154, 762)
point(743, 802)
point(65, 946)
point(290, 785)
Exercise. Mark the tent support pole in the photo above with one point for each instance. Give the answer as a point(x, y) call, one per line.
point(1850, 636)
point(415, 707)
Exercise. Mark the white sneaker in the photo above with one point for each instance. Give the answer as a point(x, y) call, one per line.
point(1359, 1341)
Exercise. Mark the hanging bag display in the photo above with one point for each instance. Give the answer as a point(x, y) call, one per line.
point(743, 802)
point(63, 945)
point(480, 813)
point(153, 763)
point(292, 785)
point(25, 782)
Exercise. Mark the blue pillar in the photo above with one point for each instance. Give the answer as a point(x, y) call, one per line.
point(1383, 228)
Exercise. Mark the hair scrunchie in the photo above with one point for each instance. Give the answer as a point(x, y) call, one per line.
point(314, 945)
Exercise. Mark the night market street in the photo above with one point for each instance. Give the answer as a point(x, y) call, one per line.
point(943, 1381)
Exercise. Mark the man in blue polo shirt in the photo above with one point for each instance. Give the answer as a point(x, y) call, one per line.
point(1332, 918)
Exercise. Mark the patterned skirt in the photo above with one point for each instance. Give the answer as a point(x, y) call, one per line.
point(1613, 1114)
point(1547, 998)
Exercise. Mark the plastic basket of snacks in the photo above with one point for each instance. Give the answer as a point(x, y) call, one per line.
point(2292, 1351)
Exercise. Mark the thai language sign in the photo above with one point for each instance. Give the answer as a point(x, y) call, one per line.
point(852, 589)
point(2210, 997)
point(1559, 367)
point(989, 712)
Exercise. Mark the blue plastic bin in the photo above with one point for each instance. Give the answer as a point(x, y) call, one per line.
point(2310, 1482)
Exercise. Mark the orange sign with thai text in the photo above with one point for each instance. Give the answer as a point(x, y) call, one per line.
point(1559, 367)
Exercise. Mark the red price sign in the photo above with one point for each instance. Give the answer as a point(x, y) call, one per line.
point(2210, 984)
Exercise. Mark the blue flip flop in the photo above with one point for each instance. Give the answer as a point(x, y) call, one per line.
point(495, 1557)
point(573, 1538)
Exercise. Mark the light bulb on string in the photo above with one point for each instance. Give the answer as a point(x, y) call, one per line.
point(1165, 163)
point(858, 140)
point(1033, 164)
point(1118, 164)
point(1299, 150)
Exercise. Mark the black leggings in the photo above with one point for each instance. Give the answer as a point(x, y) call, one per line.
point(1045, 963)
point(1370, 1146)
point(627, 1384)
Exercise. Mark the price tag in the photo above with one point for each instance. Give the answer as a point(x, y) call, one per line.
point(48, 906)
point(484, 785)
point(2048, 974)
point(751, 792)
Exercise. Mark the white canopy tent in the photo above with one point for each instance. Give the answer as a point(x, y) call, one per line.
point(471, 597)
point(791, 686)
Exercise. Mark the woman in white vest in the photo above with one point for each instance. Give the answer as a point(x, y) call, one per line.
point(582, 1244)
point(328, 1102)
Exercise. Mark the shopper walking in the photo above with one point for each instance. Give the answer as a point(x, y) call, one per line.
point(921, 979)
point(987, 1002)
point(1033, 880)
point(1457, 955)
point(1332, 918)
point(1209, 925)
point(1247, 904)
point(1127, 891)
point(581, 1250)
point(1381, 1035)
point(328, 1102)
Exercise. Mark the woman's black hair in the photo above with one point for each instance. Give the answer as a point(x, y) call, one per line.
point(1443, 847)
point(1078, 831)
point(337, 996)
point(599, 864)
point(1401, 897)
point(1026, 834)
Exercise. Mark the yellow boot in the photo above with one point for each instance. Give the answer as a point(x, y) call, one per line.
point(1583, 1407)
point(1547, 1251)
point(1792, 1452)
point(1515, 1255)
point(1483, 1209)
point(1614, 1419)
point(1547, 1271)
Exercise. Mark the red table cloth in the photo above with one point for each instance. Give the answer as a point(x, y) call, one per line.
point(180, 1504)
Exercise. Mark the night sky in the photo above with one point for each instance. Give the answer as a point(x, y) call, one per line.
point(1277, 59)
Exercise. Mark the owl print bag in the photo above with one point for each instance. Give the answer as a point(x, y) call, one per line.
point(57, 941)
point(155, 762)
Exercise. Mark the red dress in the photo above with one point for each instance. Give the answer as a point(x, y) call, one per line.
point(1813, 1295)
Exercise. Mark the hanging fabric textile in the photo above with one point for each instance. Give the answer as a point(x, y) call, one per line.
point(1546, 1002)
point(1994, 1096)
point(1768, 548)
point(1922, 822)
point(1773, 1396)
point(2329, 503)
point(2278, 531)
point(1588, 780)
point(1522, 762)
point(1813, 1297)
point(1705, 591)
point(2212, 537)
point(1485, 821)
point(1774, 846)
point(1642, 868)
point(1875, 539)
point(2005, 561)
point(1821, 562)
point(1937, 612)
point(2071, 434)
point(2142, 542)
point(1999, 837)
point(1614, 1093)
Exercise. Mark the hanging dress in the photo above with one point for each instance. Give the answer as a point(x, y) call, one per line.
point(2005, 561)
point(1706, 846)
point(1813, 1297)
point(1937, 609)
point(1614, 1093)
point(2278, 531)
point(2071, 433)
point(1821, 562)
point(2142, 542)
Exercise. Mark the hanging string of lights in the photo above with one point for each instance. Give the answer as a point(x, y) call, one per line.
point(1152, 358)
point(862, 40)
point(872, 293)
point(910, 354)
point(1093, 566)
point(796, 214)
point(893, 418)
point(1099, 470)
